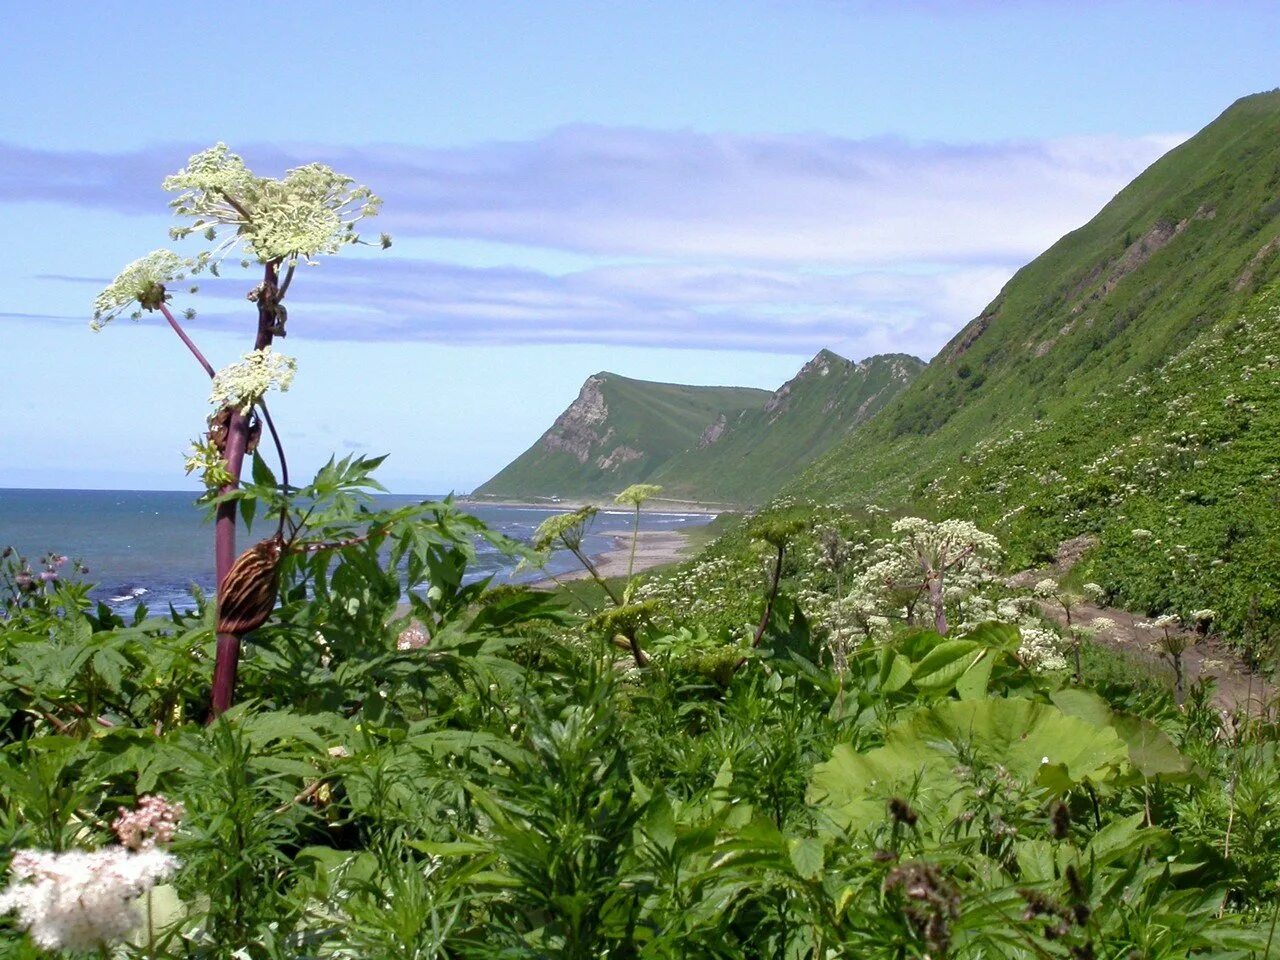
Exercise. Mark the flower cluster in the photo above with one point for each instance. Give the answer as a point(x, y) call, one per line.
point(312, 210)
point(244, 383)
point(82, 899)
point(412, 637)
point(155, 820)
point(140, 285)
point(86, 899)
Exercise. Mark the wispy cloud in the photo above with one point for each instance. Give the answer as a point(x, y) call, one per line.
point(746, 242)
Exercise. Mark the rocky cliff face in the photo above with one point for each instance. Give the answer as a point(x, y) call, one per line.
point(577, 431)
point(822, 365)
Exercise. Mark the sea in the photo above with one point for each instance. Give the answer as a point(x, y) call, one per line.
point(147, 546)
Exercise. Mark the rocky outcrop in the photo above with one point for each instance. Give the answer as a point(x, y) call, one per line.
point(972, 331)
point(820, 366)
point(576, 431)
point(713, 432)
point(618, 456)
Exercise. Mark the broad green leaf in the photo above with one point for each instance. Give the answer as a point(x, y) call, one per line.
point(1035, 742)
point(973, 685)
point(945, 664)
point(895, 671)
point(807, 856)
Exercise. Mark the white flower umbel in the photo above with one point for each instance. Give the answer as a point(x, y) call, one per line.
point(140, 285)
point(244, 383)
point(81, 900)
point(312, 210)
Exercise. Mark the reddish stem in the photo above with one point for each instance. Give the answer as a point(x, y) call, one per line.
point(224, 534)
point(182, 335)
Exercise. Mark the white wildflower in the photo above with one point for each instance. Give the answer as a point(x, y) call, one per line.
point(82, 900)
point(1041, 650)
point(1047, 587)
point(140, 284)
point(244, 383)
point(311, 210)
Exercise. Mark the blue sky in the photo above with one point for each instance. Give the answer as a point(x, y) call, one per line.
point(703, 192)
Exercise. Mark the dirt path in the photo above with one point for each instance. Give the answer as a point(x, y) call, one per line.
point(1205, 657)
point(1236, 686)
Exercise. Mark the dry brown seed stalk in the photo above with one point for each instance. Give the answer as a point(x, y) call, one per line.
point(248, 594)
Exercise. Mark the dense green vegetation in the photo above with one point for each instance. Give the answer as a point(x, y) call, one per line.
point(617, 432)
point(841, 731)
point(1122, 381)
point(484, 774)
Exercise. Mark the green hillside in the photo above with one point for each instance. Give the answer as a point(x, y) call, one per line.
point(617, 432)
point(1190, 241)
point(750, 457)
point(1124, 380)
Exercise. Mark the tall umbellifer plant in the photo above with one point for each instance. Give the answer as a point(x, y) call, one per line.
point(272, 224)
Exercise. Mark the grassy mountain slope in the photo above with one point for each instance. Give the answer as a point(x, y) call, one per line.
point(1188, 242)
point(750, 457)
point(1176, 472)
point(617, 432)
point(1092, 395)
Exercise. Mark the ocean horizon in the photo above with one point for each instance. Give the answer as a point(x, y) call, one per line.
point(153, 546)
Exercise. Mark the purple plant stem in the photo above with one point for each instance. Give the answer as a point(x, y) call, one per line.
point(182, 335)
point(227, 659)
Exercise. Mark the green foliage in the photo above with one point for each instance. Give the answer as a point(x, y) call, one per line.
point(504, 788)
point(1114, 388)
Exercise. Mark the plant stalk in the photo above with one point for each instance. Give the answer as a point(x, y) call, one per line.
point(227, 659)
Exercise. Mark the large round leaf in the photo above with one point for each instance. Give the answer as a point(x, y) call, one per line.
point(1035, 742)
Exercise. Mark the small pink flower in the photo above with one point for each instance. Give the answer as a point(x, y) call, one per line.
point(154, 821)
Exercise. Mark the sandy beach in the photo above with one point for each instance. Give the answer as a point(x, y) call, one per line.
point(654, 505)
point(654, 549)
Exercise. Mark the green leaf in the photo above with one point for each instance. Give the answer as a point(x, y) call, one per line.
point(262, 475)
point(1036, 743)
point(807, 856)
point(895, 671)
point(1151, 751)
point(945, 664)
point(973, 685)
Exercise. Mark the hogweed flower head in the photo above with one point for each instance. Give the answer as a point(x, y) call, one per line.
point(81, 899)
point(311, 210)
point(566, 528)
point(140, 285)
point(244, 383)
point(636, 494)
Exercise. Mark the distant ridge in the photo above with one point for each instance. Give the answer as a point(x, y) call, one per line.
point(723, 444)
point(618, 431)
point(750, 457)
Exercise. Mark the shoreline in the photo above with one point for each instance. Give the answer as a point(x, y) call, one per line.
point(654, 548)
point(654, 505)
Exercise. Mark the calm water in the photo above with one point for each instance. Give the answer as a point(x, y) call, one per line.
point(151, 546)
